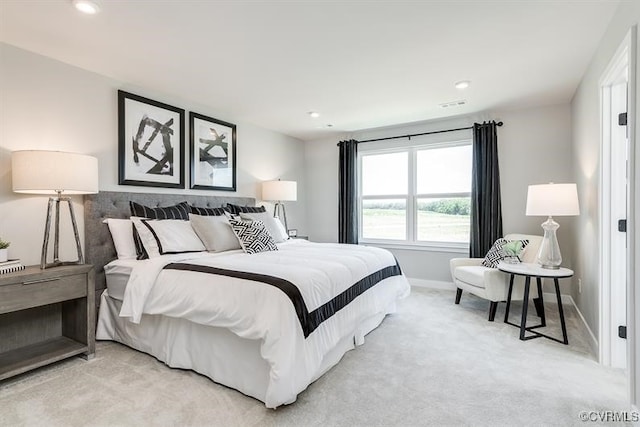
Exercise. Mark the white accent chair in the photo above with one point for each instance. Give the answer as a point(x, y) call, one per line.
point(492, 284)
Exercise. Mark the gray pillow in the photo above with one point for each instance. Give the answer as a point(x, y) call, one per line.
point(215, 232)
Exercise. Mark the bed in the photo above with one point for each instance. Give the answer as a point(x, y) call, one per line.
point(265, 324)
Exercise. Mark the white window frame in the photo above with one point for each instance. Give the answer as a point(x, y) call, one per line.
point(410, 242)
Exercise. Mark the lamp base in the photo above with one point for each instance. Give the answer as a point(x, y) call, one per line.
point(549, 253)
point(56, 238)
point(276, 208)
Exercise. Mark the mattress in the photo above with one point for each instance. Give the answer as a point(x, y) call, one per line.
point(117, 274)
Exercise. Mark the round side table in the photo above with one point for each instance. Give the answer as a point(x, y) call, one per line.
point(528, 271)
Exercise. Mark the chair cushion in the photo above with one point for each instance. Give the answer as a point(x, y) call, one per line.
point(472, 274)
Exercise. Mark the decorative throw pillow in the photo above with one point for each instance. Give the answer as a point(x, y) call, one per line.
point(179, 211)
point(236, 209)
point(505, 250)
point(207, 211)
point(122, 234)
point(253, 236)
point(170, 236)
point(273, 225)
point(215, 232)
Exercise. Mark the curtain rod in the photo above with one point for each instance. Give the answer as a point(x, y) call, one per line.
point(421, 134)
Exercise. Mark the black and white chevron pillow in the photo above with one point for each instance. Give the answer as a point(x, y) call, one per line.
point(502, 251)
point(253, 236)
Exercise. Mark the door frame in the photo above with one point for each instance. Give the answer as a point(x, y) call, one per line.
point(616, 72)
point(633, 218)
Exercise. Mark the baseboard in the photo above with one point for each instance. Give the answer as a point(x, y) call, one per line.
point(432, 284)
point(568, 300)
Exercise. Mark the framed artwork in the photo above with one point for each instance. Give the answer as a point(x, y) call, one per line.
point(151, 142)
point(213, 153)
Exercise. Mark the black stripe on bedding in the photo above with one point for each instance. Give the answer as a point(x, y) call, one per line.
point(309, 321)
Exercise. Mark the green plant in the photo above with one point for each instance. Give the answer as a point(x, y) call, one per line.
point(4, 244)
point(460, 206)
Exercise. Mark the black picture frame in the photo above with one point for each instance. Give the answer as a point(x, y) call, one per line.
point(212, 154)
point(150, 142)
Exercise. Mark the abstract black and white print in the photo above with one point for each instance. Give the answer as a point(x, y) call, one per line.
point(151, 142)
point(213, 153)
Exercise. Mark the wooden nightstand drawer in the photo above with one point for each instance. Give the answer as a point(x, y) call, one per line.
point(34, 292)
point(45, 316)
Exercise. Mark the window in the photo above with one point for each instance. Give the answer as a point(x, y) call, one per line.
point(416, 195)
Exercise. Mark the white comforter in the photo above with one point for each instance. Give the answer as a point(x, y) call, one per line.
point(255, 310)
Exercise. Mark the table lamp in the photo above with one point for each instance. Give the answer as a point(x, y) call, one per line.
point(60, 174)
point(280, 191)
point(551, 200)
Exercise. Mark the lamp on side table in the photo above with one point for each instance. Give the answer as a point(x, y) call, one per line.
point(61, 174)
point(551, 200)
point(280, 191)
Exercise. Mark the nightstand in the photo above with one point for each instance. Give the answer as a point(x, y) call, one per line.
point(45, 316)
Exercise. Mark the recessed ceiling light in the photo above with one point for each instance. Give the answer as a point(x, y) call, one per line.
point(462, 84)
point(313, 114)
point(86, 6)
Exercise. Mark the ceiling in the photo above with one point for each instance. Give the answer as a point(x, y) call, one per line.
point(360, 64)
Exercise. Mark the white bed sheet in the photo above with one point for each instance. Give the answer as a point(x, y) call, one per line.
point(117, 274)
point(259, 312)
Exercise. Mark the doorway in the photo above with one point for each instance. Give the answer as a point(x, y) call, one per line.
point(613, 209)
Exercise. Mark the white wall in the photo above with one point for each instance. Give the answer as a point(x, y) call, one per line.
point(534, 147)
point(46, 104)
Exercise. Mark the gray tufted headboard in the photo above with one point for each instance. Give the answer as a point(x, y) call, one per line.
point(98, 246)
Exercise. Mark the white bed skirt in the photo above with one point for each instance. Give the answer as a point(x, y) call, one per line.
point(215, 352)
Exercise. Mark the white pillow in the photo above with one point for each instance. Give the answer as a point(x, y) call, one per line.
point(273, 225)
point(122, 234)
point(215, 232)
point(167, 236)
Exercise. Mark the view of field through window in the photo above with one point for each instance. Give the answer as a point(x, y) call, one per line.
point(438, 220)
point(442, 188)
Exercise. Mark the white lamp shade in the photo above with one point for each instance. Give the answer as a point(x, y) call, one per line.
point(45, 172)
point(553, 200)
point(279, 191)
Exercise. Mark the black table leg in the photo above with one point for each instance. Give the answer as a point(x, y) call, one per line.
point(543, 317)
point(525, 306)
point(506, 313)
point(561, 310)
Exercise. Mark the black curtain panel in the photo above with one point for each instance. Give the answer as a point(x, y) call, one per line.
point(348, 203)
point(486, 210)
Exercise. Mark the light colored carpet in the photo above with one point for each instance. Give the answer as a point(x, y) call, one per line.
point(432, 363)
